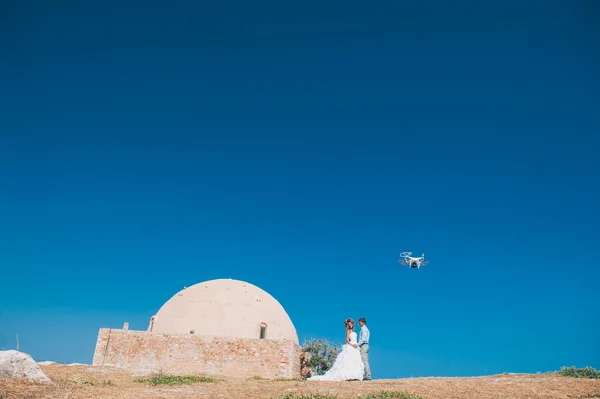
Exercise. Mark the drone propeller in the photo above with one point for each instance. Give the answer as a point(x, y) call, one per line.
point(425, 262)
point(405, 254)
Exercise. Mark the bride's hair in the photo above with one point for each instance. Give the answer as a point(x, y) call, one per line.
point(349, 323)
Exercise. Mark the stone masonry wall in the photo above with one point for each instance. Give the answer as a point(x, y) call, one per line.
point(145, 353)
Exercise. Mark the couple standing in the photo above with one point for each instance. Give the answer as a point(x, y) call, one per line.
point(353, 361)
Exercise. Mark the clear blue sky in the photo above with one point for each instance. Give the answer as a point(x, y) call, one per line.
point(301, 147)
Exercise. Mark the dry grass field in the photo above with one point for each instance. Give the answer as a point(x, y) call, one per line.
point(72, 382)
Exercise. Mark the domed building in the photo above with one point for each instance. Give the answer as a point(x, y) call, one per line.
point(224, 308)
point(223, 326)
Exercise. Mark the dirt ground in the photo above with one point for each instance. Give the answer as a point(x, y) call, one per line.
point(71, 382)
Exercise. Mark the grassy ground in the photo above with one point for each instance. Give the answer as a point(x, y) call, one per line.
point(75, 382)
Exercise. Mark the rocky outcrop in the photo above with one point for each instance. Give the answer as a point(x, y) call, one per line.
point(46, 363)
point(15, 364)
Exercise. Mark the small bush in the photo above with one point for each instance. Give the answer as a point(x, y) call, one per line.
point(585, 372)
point(174, 379)
point(322, 354)
point(389, 395)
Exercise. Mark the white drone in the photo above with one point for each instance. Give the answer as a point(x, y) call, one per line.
point(412, 262)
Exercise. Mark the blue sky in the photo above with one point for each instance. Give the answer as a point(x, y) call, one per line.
point(301, 147)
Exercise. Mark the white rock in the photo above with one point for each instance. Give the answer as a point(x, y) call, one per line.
point(15, 364)
point(46, 363)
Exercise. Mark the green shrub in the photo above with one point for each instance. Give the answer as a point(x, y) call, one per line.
point(585, 372)
point(322, 355)
point(174, 379)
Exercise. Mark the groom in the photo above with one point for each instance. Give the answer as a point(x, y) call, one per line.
point(363, 343)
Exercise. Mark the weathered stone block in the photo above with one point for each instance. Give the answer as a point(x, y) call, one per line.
point(146, 352)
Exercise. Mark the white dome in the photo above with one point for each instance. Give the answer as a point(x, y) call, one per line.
point(224, 308)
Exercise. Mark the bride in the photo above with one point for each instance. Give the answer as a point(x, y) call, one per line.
point(348, 365)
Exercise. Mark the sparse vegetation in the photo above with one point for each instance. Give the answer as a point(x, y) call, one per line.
point(257, 378)
point(315, 395)
point(101, 382)
point(389, 395)
point(174, 379)
point(585, 372)
point(79, 380)
point(322, 355)
point(373, 395)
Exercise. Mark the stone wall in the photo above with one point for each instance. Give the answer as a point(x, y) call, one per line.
point(145, 353)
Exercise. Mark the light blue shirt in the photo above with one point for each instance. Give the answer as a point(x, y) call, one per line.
point(365, 334)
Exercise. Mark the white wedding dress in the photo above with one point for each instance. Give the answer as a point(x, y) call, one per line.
point(348, 365)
